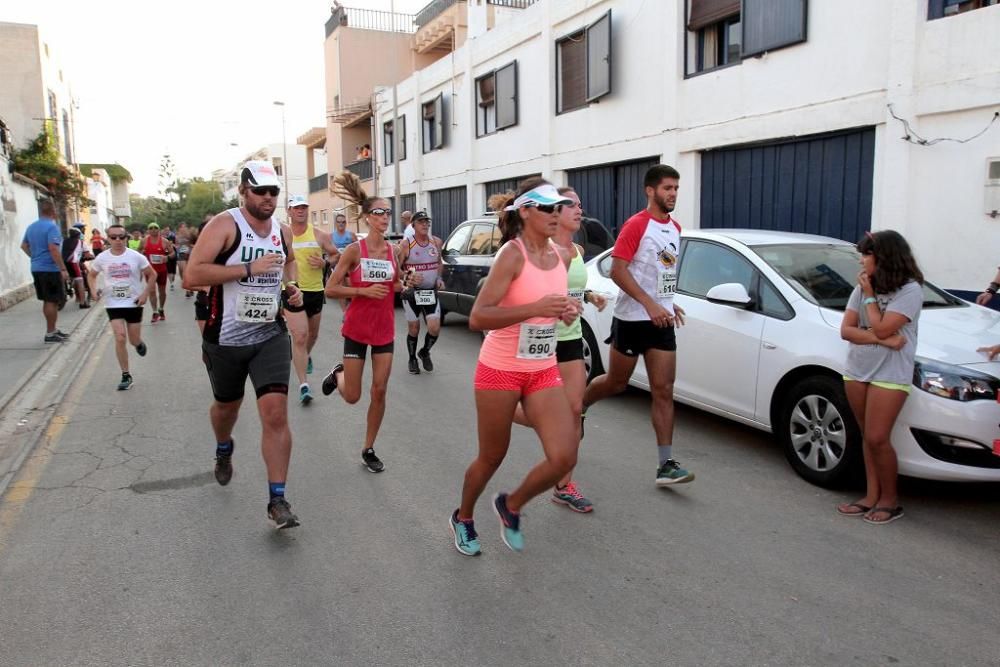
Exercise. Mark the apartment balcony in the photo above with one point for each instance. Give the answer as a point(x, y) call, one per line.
point(362, 169)
point(319, 183)
point(441, 26)
point(369, 19)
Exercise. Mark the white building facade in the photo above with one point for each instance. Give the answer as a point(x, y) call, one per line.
point(823, 117)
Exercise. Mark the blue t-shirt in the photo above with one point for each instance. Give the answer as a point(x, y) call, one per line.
point(39, 235)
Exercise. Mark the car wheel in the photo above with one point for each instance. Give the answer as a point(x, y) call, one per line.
point(591, 354)
point(821, 439)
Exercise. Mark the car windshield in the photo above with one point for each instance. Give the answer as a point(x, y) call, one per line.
point(827, 273)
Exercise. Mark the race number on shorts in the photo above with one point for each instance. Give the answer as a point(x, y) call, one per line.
point(536, 341)
point(256, 308)
point(424, 297)
point(376, 270)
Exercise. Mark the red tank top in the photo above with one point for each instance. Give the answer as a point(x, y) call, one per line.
point(372, 321)
point(156, 253)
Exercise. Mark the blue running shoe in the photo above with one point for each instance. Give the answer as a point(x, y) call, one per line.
point(305, 395)
point(510, 523)
point(309, 366)
point(671, 472)
point(466, 538)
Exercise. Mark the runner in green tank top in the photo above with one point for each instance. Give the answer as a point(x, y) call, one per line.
point(569, 344)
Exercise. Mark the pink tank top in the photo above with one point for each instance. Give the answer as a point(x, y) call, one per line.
point(527, 346)
point(371, 321)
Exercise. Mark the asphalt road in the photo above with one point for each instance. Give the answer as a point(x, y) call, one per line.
point(118, 548)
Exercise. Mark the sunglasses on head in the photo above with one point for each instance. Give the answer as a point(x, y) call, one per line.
point(117, 237)
point(544, 208)
point(262, 190)
point(380, 211)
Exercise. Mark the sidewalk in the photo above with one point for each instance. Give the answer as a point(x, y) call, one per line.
point(22, 348)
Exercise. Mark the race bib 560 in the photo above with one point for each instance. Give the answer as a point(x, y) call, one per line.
point(376, 270)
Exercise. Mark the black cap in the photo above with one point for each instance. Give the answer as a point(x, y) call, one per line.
point(420, 215)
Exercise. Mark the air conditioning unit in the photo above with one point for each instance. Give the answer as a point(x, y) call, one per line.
point(992, 206)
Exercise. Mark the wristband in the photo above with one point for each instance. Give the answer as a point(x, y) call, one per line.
point(992, 289)
point(292, 283)
point(869, 300)
point(246, 265)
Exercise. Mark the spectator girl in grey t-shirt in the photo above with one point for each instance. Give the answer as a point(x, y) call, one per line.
point(880, 323)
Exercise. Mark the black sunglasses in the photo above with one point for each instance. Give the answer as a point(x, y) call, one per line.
point(117, 237)
point(544, 208)
point(380, 211)
point(262, 190)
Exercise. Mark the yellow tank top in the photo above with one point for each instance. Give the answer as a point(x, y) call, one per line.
point(306, 246)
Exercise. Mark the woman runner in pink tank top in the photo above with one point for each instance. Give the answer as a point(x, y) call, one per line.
point(523, 296)
point(373, 277)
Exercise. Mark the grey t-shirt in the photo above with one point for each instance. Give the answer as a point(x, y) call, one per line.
point(877, 363)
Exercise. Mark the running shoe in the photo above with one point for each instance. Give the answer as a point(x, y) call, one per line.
point(466, 538)
point(671, 472)
point(188, 294)
point(156, 317)
point(280, 513)
point(55, 337)
point(163, 316)
point(330, 381)
point(125, 383)
point(305, 395)
point(84, 305)
point(510, 523)
point(571, 497)
point(413, 367)
point(425, 358)
point(309, 366)
point(140, 349)
point(372, 462)
point(224, 468)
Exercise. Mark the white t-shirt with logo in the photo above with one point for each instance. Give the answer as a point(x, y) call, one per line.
point(651, 247)
point(123, 279)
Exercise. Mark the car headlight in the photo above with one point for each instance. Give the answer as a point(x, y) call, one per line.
point(954, 382)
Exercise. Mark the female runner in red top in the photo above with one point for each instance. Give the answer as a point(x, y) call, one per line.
point(373, 277)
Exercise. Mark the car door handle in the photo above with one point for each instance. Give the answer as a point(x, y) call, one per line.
point(770, 346)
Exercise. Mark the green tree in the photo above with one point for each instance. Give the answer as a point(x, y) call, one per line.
point(42, 162)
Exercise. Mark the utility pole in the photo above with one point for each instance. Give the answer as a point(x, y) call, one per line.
point(284, 156)
point(396, 134)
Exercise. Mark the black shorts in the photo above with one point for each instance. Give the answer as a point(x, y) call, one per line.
point(634, 338)
point(201, 307)
point(268, 364)
point(49, 286)
point(130, 315)
point(171, 265)
point(569, 350)
point(355, 350)
point(312, 303)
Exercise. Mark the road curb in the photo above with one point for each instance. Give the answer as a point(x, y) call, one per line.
point(66, 377)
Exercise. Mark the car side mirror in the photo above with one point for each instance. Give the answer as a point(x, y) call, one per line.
point(730, 294)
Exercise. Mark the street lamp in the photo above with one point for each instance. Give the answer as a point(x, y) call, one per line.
point(284, 153)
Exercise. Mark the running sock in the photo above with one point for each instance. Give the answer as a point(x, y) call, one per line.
point(411, 345)
point(276, 489)
point(304, 384)
point(224, 448)
point(666, 453)
point(429, 341)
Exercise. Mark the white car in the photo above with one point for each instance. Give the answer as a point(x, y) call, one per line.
point(762, 346)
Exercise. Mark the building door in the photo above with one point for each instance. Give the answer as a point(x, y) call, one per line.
point(448, 210)
point(821, 184)
point(504, 185)
point(612, 193)
point(408, 202)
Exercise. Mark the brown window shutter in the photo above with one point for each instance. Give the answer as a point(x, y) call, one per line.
point(486, 91)
point(707, 12)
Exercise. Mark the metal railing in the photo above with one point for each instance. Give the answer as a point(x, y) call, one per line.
point(362, 169)
point(369, 19)
point(514, 4)
point(319, 183)
point(433, 10)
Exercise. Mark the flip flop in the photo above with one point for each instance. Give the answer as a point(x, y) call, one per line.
point(862, 510)
point(893, 512)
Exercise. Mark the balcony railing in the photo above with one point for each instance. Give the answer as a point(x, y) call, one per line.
point(514, 4)
point(319, 183)
point(433, 10)
point(362, 169)
point(369, 19)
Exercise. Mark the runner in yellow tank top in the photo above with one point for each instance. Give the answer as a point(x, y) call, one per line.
point(312, 248)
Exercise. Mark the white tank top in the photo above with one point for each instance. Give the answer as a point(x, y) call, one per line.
point(247, 311)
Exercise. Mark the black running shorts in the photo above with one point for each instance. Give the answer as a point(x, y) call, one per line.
point(49, 286)
point(268, 364)
point(312, 303)
point(634, 338)
point(569, 350)
point(355, 350)
point(130, 315)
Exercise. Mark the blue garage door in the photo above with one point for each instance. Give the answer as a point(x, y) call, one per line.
point(448, 210)
point(820, 184)
point(505, 185)
point(612, 193)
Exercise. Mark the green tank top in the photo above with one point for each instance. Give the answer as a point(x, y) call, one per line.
point(577, 277)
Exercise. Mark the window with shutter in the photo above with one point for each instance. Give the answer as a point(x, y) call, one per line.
point(432, 124)
point(724, 32)
point(583, 65)
point(496, 100)
point(772, 24)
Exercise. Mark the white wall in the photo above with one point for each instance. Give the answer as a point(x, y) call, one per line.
point(99, 193)
point(859, 57)
point(18, 209)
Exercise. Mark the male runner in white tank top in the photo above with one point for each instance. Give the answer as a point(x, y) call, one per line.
point(243, 255)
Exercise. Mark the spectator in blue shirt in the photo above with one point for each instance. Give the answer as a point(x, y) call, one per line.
point(43, 244)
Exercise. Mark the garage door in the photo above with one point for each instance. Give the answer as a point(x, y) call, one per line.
point(821, 184)
point(612, 193)
point(448, 210)
point(505, 185)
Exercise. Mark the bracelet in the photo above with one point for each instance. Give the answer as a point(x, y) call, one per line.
point(992, 289)
point(292, 283)
point(246, 265)
point(869, 300)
